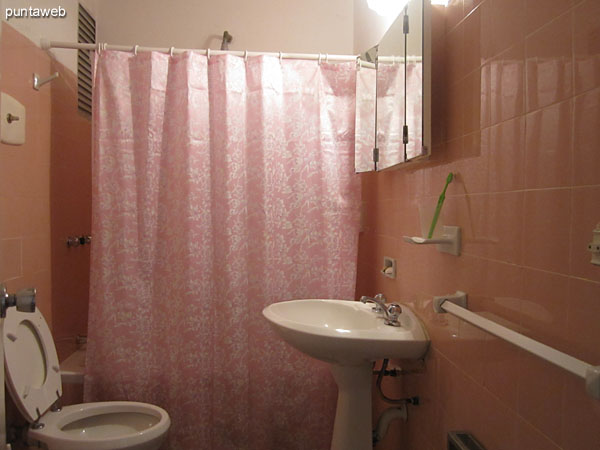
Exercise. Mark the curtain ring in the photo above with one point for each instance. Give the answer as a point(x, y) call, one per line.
point(320, 58)
point(171, 50)
point(105, 46)
point(135, 49)
point(99, 49)
point(327, 58)
point(208, 53)
point(245, 55)
point(358, 64)
point(280, 57)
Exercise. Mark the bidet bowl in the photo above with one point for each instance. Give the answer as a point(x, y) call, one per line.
point(346, 332)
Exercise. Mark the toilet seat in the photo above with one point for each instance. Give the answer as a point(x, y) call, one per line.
point(32, 370)
point(34, 382)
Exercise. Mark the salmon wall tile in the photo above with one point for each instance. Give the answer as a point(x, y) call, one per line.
point(45, 190)
point(454, 13)
point(549, 54)
point(516, 121)
point(507, 84)
point(546, 225)
point(508, 24)
point(549, 148)
point(586, 138)
point(586, 37)
point(502, 365)
point(25, 258)
point(505, 167)
point(537, 400)
point(528, 437)
point(584, 201)
point(580, 418)
point(71, 208)
point(472, 59)
point(582, 319)
point(544, 304)
point(540, 12)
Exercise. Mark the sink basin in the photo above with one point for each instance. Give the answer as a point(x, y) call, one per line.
point(349, 336)
point(346, 332)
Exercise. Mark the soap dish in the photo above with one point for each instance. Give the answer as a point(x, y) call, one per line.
point(449, 242)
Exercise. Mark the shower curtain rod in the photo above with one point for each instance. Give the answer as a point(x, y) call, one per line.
point(46, 45)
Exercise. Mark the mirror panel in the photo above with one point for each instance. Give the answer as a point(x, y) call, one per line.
point(366, 77)
point(401, 94)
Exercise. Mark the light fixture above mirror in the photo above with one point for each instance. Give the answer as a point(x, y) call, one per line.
point(387, 8)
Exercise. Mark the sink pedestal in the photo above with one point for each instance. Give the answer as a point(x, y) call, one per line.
point(349, 336)
point(352, 429)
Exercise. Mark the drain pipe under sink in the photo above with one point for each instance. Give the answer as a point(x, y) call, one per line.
point(395, 412)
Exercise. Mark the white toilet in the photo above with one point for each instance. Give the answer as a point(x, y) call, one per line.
point(33, 380)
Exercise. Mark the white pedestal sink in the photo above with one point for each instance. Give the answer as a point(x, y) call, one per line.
point(349, 336)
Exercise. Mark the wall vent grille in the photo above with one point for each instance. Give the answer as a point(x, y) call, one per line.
point(86, 34)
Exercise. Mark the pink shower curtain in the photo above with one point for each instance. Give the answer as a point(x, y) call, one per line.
point(219, 186)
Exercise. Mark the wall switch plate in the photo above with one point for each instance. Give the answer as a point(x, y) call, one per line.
point(12, 120)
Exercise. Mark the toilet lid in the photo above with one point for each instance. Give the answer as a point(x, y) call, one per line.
point(32, 370)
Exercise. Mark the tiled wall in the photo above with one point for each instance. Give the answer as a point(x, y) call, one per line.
point(45, 190)
point(71, 211)
point(25, 254)
point(516, 112)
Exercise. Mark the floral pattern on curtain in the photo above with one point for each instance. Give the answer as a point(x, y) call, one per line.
point(219, 186)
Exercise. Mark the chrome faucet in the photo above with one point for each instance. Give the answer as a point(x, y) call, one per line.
point(391, 312)
point(379, 301)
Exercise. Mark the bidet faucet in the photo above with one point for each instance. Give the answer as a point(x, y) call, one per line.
point(390, 312)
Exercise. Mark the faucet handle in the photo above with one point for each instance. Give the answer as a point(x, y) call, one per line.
point(394, 310)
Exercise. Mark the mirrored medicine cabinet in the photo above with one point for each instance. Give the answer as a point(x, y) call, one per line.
point(393, 94)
